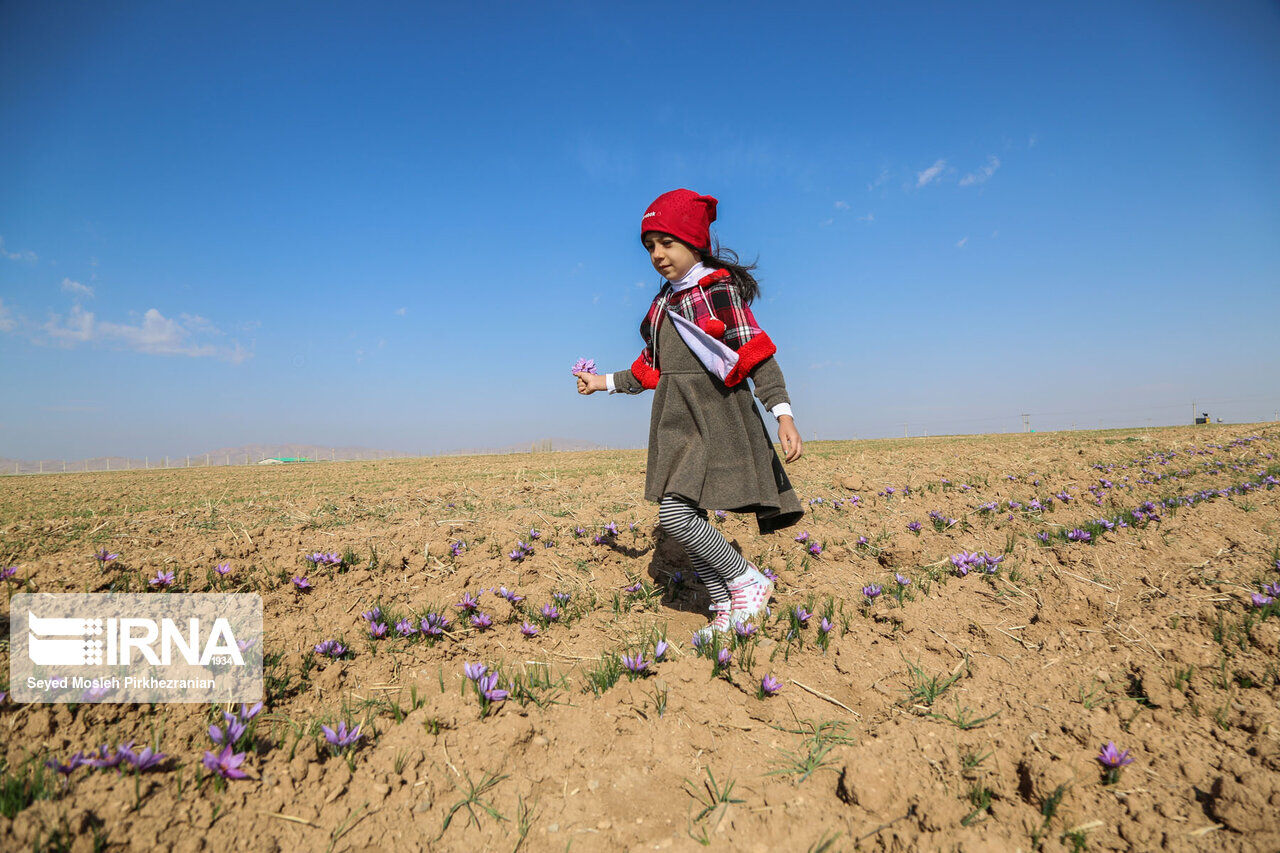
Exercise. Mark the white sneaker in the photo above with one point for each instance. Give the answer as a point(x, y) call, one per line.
point(749, 595)
point(719, 624)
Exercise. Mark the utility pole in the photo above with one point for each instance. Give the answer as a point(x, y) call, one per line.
point(1026, 422)
point(904, 430)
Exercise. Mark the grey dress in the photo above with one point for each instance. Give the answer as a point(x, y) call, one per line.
point(708, 443)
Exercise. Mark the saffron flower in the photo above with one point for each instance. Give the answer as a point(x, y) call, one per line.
point(66, 769)
point(488, 687)
point(902, 580)
point(1043, 537)
point(699, 641)
point(534, 534)
point(584, 365)
point(469, 602)
point(223, 569)
point(1078, 535)
point(871, 591)
point(301, 582)
point(723, 658)
point(611, 528)
point(374, 615)
point(815, 549)
point(518, 554)
point(744, 630)
point(720, 515)
point(481, 621)
point(103, 557)
point(659, 650)
point(561, 597)
point(456, 548)
point(1272, 589)
point(550, 612)
point(330, 648)
point(528, 630)
point(802, 616)
point(226, 763)
point(340, 738)
point(162, 579)
point(144, 760)
point(228, 735)
point(633, 588)
point(1112, 760)
point(1260, 600)
point(377, 630)
point(636, 665)
point(474, 671)
point(803, 537)
point(510, 595)
point(862, 540)
point(321, 558)
point(914, 527)
point(406, 628)
point(769, 686)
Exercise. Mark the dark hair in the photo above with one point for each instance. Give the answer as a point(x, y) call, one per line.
point(721, 258)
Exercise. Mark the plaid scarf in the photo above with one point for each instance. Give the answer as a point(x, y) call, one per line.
point(714, 297)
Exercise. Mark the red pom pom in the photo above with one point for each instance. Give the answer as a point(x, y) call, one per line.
point(713, 326)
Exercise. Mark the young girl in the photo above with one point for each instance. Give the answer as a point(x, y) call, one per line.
point(708, 445)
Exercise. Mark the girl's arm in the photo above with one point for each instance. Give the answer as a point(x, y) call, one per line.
point(623, 380)
point(771, 390)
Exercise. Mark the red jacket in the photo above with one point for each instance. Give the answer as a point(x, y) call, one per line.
point(716, 307)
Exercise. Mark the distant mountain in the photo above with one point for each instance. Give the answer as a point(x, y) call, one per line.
point(253, 453)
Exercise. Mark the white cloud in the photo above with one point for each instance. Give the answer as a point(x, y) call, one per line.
point(155, 335)
point(7, 323)
point(842, 205)
point(23, 255)
point(77, 288)
point(400, 312)
point(981, 176)
point(929, 174)
point(960, 243)
point(870, 217)
point(881, 180)
point(824, 223)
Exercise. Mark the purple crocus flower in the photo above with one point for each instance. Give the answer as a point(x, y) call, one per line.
point(301, 582)
point(534, 534)
point(633, 588)
point(699, 640)
point(9, 573)
point(803, 616)
point(769, 686)
point(872, 591)
point(744, 630)
point(550, 612)
point(103, 757)
point(481, 621)
point(528, 630)
point(1078, 535)
point(374, 615)
point(561, 597)
point(803, 537)
point(377, 630)
point(228, 735)
point(636, 665)
point(474, 671)
point(723, 657)
point(488, 685)
point(1112, 758)
point(223, 569)
point(611, 528)
point(659, 650)
point(456, 548)
point(914, 526)
point(104, 557)
point(162, 579)
point(1043, 537)
point(144, 760)
point(862, 540)
point(1260, 600)
point(1272, 589)
point(226, 763)
point(518, 554)
point(406, 628)
point(510, 595)
point(815, 549)
point(584, 365)
point(825, 625)
point(901, 579)
point(341, 738)
point(66, 769)
point(469, 602)
point(720, 516)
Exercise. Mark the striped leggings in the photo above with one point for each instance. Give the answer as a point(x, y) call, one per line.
point(714, 559)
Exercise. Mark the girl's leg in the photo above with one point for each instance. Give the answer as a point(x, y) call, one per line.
point(712, 555)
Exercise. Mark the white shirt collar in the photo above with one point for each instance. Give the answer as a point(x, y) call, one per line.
point(690, 278)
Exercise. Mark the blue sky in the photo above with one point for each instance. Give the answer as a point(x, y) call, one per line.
point(398, 225)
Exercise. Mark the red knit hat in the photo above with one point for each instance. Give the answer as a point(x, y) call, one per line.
point(684, 214)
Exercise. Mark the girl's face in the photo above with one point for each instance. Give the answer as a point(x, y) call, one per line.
point(671, 258)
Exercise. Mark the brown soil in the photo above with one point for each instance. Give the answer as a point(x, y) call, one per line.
point(1146, 638)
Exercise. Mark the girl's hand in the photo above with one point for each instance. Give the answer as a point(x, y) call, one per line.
point(589, 382)
point(790, 438)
